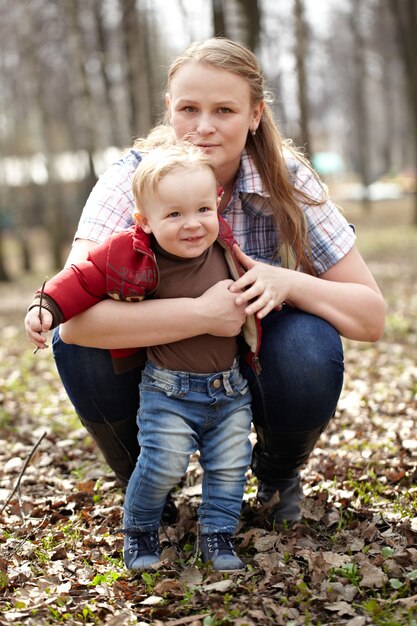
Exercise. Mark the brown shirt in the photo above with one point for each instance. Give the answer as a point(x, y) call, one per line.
point(190, 278)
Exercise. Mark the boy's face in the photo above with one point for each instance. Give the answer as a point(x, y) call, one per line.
point(183, 215)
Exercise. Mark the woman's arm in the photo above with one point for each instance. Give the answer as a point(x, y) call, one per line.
point(110, 324)
point(79, 251)
point(346, 295)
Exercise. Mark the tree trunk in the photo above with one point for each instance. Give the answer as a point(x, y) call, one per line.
point(4, 276)
point(405, 14)
point(251, 13)
point(138, 66)
point(103, 44)
point(239, 20)
point(360, 103)
point(219, 24)
point(52, 204)
point(300, 55)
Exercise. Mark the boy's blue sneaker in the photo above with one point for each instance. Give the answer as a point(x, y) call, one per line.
point(141, 549)
point(219, 549)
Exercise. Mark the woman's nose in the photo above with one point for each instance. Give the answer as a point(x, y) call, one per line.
point(205, 125)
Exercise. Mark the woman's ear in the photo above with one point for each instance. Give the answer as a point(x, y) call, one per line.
point(257, 113)
point(220, 194)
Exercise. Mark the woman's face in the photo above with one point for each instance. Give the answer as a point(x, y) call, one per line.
point(211, 108)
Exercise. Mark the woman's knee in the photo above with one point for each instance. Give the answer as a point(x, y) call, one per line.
point(302, 372)
point(295, 335)
point(97, 393)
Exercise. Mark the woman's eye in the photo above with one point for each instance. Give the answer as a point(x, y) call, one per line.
point(190, 109)
point(225, 110)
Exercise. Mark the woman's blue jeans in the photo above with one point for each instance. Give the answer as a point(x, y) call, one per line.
point(179, 413)
point(296, 392)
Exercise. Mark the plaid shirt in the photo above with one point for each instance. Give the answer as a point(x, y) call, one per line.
point(110, 205)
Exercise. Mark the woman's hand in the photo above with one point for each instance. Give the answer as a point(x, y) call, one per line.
point(346, 295)
point(263, 287)
point(224, 316)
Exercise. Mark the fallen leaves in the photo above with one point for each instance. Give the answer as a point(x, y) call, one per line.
point(351, 561)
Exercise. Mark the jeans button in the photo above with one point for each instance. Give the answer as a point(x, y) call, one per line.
point(217, 383)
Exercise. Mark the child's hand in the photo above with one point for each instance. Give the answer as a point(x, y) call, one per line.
point(34, 327)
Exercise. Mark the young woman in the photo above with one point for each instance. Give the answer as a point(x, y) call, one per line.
point(275, 205)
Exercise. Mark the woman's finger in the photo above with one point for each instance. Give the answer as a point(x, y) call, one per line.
point(243, 258)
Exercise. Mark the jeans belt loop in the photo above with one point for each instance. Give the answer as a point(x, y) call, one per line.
point(226, 383)
point(185, 383)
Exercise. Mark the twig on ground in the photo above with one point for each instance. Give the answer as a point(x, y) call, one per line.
point(32, 530)
point(22, 471)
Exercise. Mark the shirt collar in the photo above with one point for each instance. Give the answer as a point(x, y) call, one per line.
point(248, 178)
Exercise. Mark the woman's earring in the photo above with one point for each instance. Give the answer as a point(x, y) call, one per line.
point(253, 132)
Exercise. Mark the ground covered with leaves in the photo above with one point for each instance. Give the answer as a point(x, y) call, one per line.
point(352, 560)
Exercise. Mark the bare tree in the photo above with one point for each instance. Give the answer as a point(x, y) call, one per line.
point(82, 96)
point(219, 24)
point(239, 20)
point(4, 275)
point(300, 55)
point(405, 14)
point(251, 14)
point(138, 65)
point(360, 100)
point(103, 55)
point(28, 31)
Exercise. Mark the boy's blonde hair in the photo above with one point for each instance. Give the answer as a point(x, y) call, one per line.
point(161, 158)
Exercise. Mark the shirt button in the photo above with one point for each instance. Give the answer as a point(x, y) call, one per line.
point(217, 383)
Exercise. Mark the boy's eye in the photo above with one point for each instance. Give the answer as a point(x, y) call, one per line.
point(173, 214)
point(203, 209)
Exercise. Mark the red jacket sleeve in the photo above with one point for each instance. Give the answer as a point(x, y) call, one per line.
point(78, 287)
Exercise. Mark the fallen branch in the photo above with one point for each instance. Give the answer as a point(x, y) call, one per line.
point(22, 471)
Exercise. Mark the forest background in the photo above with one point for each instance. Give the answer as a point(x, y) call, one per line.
point(79, 80)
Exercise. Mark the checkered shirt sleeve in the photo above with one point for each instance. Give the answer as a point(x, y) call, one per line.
point(331, 236)
point(110, 204)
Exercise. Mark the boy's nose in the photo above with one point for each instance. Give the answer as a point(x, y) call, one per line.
point(191, 222)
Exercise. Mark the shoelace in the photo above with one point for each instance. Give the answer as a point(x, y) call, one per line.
point(222, 543)
point(141, 542)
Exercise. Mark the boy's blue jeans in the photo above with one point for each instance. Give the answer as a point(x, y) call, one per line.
point(179, 413)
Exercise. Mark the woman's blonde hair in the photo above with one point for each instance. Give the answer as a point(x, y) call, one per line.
point(162, 154)
point(267, 147)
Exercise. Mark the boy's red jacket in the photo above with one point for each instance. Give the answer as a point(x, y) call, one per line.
point(124, 268)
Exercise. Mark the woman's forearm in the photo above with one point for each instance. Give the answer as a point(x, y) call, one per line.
point(112, 324)
point(355, 310)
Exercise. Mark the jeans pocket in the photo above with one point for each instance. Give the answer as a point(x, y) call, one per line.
point(151, 384)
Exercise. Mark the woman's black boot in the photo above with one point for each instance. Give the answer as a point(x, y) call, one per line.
point(276, 461)
point(118, 442)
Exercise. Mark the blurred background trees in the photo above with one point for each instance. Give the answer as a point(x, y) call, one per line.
point(81, 78)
